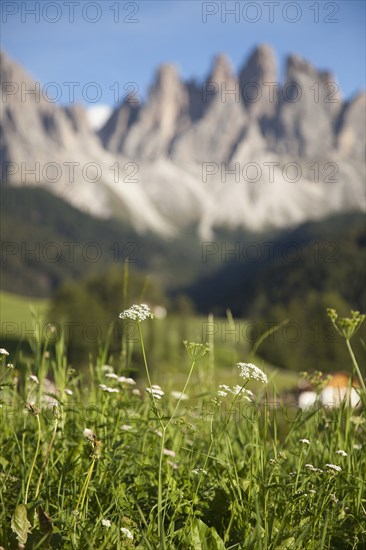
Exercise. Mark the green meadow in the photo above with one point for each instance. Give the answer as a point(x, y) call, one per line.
point(202, 453)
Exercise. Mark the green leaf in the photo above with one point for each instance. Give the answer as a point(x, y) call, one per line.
point(205, 538)
point(20, 524)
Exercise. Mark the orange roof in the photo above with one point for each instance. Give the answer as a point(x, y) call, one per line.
point(341, 380)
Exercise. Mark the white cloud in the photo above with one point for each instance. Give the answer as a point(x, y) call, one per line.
point(98, 115)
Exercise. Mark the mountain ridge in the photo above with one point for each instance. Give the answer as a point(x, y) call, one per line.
point(211, 156)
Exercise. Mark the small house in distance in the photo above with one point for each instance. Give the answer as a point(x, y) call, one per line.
point(338, 389)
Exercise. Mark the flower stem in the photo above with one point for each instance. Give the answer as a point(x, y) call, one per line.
point(160, 494)
point(143, 353)
point(355, 364)
point(46, 459)
point(84, 489)
point(182, 393)
point(147, 372)
point(34, 460)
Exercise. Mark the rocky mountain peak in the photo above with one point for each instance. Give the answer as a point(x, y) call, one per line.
point(257, 78)
point(161, 118)
point(296, 63)
point(352, 124)
point(185, 161)
point(166, 78)
point(261, 65)
point(221, 70)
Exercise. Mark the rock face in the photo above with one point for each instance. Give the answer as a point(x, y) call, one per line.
point(352, 128)
point(259, 83)
point(214, 135)
point(44, 144)
point(164, 115)
point(308, 111)
point(238, 150)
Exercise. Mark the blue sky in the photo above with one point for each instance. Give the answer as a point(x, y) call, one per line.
point(329, 34)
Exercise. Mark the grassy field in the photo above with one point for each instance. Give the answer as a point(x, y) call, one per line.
point(98, 461)
point(231, 340)
point(16, 312)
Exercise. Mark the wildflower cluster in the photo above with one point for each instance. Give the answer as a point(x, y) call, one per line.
point(92, 438)
point(33, 378)
point(235, 390)
point(179, 395)
point(198, 471)
point(341, 452)
point(155, 391)
point(251, 372)
point(334, 467)
point(317, 380)
point(107, 389)
point(127, 533)
point(346, 326)
point(195, 350)
point(313, 469)
point(89, 435)
point(168, 452)
point(120, 379)
point(137, 313)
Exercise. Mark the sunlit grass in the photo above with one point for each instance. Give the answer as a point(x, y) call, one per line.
point(98, 462)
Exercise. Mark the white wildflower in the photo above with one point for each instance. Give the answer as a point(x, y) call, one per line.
point(179, 395)
point(172, 465)
point(312, 468)
point(68, 392)
point(107, 368)
point(305, 441)
point(103, 387)
point(3, 352)
point(358, 420)
point(334, 467)
point(312, 491)
point(159, 433)
point(168, 452)
point(155, 392)
point(126, 427)
point(136, 391)
point(333, 497)
point(252, 372)
point(89, 434)
point(357, 446)
point(111, 375)
point(127, 533)
point(137, 313)
point(10, 365)
point(235, 390)
point(33, 378)
point(341, 452)
point(198, 471)
point(124, 380)
point(106, 522)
